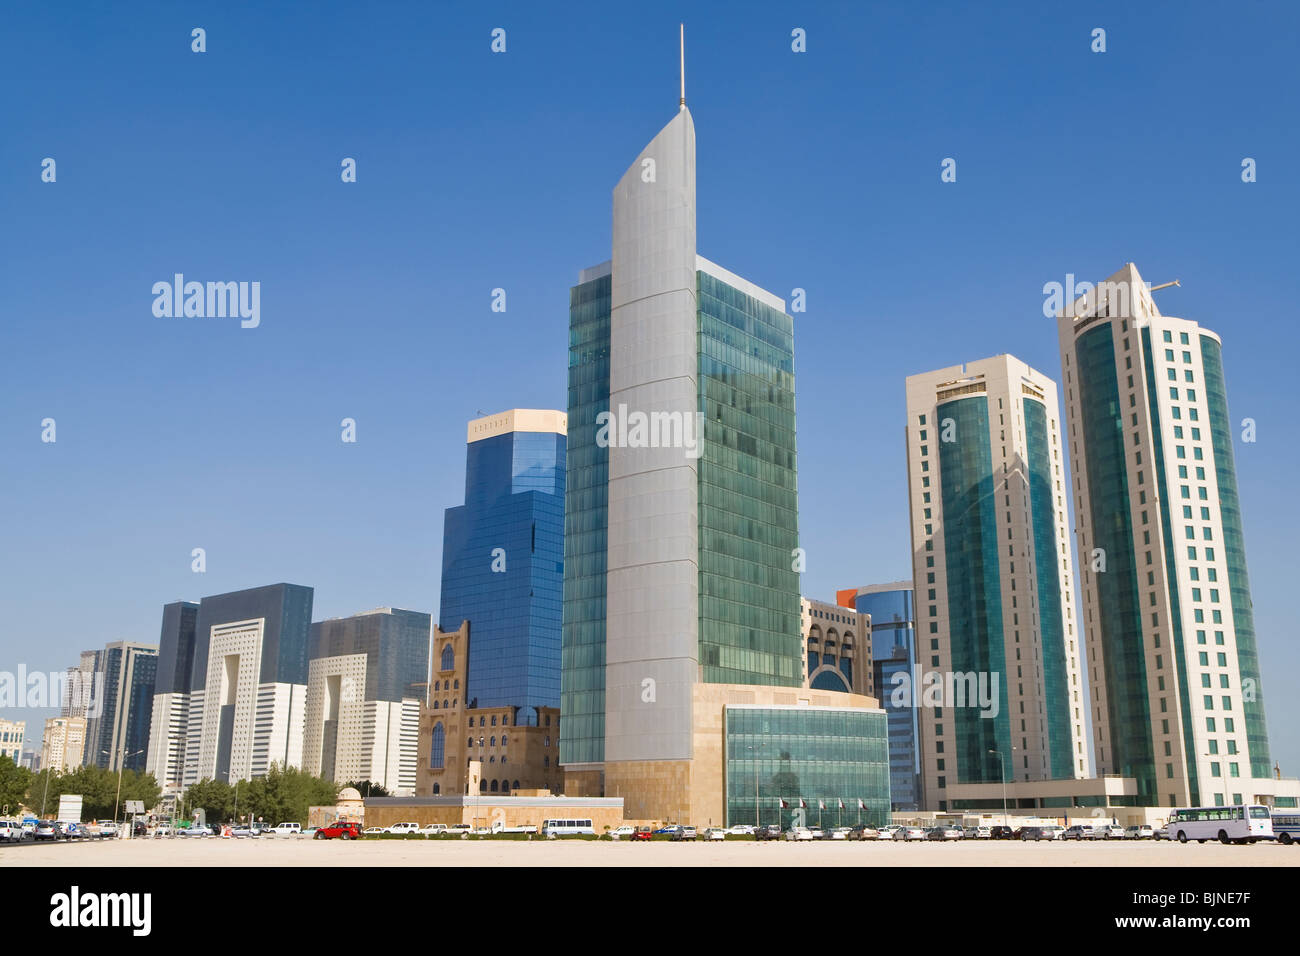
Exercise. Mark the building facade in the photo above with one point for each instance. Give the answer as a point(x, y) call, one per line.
point(365, 682)
point(12, 733)
point(681, 591)
point(63, 744)
point(119, 736)
point(837, 648)
point(1000, 691)
point(1173, 668)
point(893, 663)
point(513, 755)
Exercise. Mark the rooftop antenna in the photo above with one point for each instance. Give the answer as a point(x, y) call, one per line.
point(682, 57)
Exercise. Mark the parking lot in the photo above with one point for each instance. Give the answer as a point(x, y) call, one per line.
point(457, 852)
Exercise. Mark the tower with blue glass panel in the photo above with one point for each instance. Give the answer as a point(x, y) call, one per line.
point(503, 560)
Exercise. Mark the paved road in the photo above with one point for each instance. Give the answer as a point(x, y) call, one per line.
point(270, 851)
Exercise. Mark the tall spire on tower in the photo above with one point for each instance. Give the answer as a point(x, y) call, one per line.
point(682, 105)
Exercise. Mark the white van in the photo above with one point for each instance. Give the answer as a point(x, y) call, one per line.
point(287, 829)
point(403, 828)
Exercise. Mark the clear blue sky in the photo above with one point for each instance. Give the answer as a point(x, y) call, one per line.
point(817, 170)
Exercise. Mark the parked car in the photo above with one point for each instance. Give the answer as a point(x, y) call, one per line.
point(11, 831)
point(978, 833)
point(668, 830)
point(944, 831)
point(1161, 833)
point(287, 830)
point(46, 830)
point(862, 832)
point(107, 829)
point(1050, 831)
point(643, 833)
point(139, 829)
point(817, 833)
point(770, 832)
point(1140, 831)
point(433, 829)
point(684, 833)
point(838, 833)
point(1078, 831)
point(238, 830)
point(402, 829)
point(798, 834)
point(194, 831)
point(742, 829)
point(1108, 831)
point(619, 833)
point(887, 833)
point(715, 833)
point(906, 833)
point(161, 830)
point(373, 831)
point(339, 830)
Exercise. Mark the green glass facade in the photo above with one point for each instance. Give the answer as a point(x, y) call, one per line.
point(1234, 546)
point(974, 584)
point(1175, 605)
point(748, 497)
point(582, 677)
point(810, 753)
point(1120, 620)
point(1056, 682)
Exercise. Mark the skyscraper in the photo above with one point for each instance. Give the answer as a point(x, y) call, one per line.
point(171, 696)
point(681, 591)
point(248, 683)
point(993, 585)
point(119, 736)
point(1173, 670)
point(503, 560)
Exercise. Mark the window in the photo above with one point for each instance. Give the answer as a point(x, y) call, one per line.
point(448, 658)
point(438, 747)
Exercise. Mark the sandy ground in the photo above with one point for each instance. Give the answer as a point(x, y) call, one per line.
point(304, 852)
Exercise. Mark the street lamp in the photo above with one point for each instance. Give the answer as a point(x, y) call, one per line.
point(120, 767)
point(1002, 770)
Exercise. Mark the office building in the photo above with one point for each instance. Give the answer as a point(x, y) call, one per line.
point(893, 663)
point(365, 681)
point(503, 560)
point(248, 683)
point(1000, 696)
point(171, 695)
point(118, 735)
point(63, 743)
point(1173, 669)
point(681, 590)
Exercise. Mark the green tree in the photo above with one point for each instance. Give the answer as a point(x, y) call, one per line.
point(368, 788)
point(43, 793)
point(284, 795)
point(14, 783)
point(216, 797)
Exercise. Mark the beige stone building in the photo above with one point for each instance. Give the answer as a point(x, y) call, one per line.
point(513, 756)
point(837, 648)
point(63, 744)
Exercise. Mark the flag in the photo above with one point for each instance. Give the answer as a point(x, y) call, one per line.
point(861, 805)
point(841, 803)
point(821, 804)
point(803, 805)
point(784, 805)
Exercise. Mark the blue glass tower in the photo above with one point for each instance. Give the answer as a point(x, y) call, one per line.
point(503, 560)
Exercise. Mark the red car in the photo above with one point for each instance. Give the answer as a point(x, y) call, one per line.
point(643, 833)
point(344, 829)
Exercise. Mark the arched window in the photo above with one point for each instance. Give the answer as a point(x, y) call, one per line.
point(482, 786)
point(438, 747)
point(437, 789)
point(445, 704)
point(494, 720)
point(505, 786)
point(546, 761)
point(437, 685)
point(470, 742)
point(482, 721)
point(435, 705)
point(492, 759)
point(503, 740)
point(503, 758)
point(494, 786)
point(448, 658)
point(493, 742)
point(455, 685)
point(516, 785)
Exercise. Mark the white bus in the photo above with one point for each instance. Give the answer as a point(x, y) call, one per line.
point(1240, 824)
point(1286, 825)
point(566, 827)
